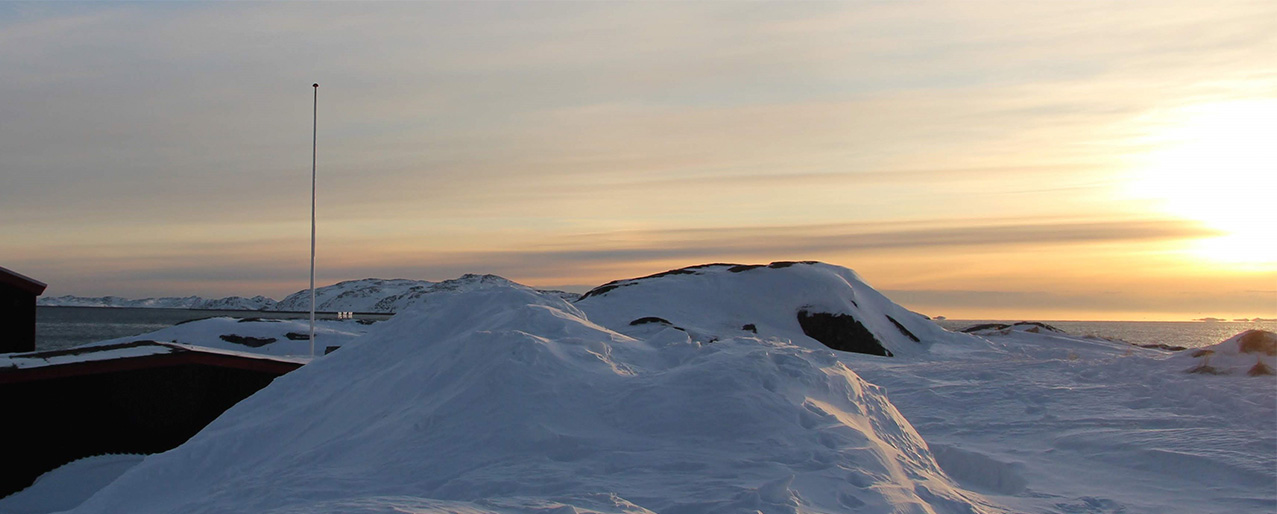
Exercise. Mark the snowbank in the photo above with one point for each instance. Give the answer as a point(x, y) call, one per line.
point(507, 400)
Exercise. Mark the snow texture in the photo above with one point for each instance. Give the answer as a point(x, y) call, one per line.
point(698, 391)
point(506, 400)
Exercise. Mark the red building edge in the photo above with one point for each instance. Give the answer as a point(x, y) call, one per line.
point(17, 310)
point(136, 397)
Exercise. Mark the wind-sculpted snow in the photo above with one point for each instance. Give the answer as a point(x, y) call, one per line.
point(504, 399)
point(813, 304)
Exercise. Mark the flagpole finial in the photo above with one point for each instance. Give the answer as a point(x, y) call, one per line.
point(316, 84)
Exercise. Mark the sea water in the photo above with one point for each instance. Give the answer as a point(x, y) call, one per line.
point(61, 327)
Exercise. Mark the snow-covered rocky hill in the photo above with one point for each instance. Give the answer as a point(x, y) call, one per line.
point(389, 296)
point(255, 303)
point(372, 295)
point(813, 304)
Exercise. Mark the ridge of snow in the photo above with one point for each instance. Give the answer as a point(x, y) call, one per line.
point(505, 399)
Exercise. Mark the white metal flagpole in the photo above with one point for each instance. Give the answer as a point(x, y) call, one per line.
point(314, 145)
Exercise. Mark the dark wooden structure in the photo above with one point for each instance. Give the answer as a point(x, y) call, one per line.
point(136, 397)
point(17, 311)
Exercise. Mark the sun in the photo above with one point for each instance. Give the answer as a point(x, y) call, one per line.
point(1216, 163)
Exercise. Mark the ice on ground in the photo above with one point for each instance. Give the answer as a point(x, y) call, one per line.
point(506, 400)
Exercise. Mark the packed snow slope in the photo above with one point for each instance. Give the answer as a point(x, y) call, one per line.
point(507, 400)
point(812, 304)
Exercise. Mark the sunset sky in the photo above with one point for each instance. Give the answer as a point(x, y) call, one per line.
point(1046, 160)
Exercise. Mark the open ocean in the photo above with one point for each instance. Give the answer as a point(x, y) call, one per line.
point(61, 327)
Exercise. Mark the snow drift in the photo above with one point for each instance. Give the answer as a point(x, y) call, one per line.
point(508, 400)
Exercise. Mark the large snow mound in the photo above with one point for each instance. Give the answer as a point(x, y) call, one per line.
point(810, 303)
point(508, 400)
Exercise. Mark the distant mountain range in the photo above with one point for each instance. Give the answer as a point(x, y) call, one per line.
point(364, 295)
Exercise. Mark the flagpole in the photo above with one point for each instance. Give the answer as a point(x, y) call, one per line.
point(314, 145)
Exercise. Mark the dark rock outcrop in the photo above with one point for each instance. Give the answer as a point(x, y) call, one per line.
point(903, 330)
point(840, 332)
point(251, 342)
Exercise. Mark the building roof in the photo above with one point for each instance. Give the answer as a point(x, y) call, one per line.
point(14, 279)
point(88, 360)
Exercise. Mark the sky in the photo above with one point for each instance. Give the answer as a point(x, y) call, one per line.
point(977, 160)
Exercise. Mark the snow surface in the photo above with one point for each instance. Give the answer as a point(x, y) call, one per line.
point(505, 399)
point(69, 485)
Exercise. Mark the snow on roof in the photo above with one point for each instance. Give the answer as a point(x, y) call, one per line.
point(117, 351)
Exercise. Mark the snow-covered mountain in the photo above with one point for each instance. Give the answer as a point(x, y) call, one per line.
point(364, 295)
point(386, 296)
point(255, 303)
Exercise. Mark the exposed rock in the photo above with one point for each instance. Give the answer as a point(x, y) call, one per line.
point(840, 332)
point(1257, 341)
point(903, 330)
point(251, 342)
point(1163, 346)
